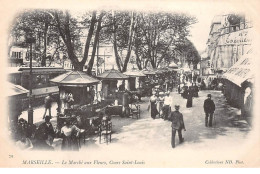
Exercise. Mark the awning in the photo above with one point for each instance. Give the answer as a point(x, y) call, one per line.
point(15, 90)
point(75, 79)
point(42, 70)
point(241, 71)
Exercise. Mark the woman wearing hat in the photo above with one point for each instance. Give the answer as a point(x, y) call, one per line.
point(152, 105)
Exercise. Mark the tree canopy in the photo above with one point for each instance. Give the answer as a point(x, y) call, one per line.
point(152, 38)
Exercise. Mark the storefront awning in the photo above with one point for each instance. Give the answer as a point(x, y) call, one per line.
point(42, 70)
point(15, 90)
point(241, 71)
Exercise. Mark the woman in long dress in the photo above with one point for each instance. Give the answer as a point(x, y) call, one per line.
point(153, 108)
point(70, 133)
point(160, 102)
point(189, 98)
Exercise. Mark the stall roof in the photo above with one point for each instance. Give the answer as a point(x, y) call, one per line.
point(74, 78)
point(113, 75)
point(173, 65)
point(241, 71)
point(134, 73)
point(15, 90)
point(148, 72)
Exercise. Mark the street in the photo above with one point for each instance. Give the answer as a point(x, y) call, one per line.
point(147, 134)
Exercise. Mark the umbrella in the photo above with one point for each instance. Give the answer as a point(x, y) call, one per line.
point(74, 78)
point(113, 75)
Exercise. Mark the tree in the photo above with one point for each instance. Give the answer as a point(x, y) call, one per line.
point(123, 34)
point(69, 32)
point(40, 24)
point(189, 52)
point(156, 33)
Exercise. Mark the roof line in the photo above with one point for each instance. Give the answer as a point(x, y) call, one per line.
point(68, 73)
point(80, 74)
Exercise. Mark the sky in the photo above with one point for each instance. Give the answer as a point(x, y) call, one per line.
point(200, 31)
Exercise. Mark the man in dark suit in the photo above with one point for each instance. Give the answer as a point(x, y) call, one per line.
point(177, 125)
point(45, 135)
point(209, 108)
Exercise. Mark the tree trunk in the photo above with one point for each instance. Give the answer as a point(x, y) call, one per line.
point(130, 42)
point(91, 61)
point(90, 33)
point(138, 61)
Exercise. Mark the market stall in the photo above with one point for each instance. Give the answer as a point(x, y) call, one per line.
point(113, 89)
point(149, 81)
point(136, 80)
point(76, 97)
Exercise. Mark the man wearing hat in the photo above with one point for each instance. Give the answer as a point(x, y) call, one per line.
point(45, 135)
point(177, 125)
point(209, 108)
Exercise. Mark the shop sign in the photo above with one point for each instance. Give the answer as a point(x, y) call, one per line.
point(236, 38)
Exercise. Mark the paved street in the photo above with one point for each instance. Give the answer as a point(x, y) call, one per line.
point(156, 134)
point(147, 134)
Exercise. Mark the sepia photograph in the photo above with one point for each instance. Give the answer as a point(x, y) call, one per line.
point(129, 84)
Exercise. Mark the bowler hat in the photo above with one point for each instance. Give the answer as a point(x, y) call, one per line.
point(177, 106)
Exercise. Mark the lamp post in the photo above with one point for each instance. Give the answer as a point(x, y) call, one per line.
point(30, 40)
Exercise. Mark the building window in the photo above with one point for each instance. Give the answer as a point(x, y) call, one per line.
point(16, 55)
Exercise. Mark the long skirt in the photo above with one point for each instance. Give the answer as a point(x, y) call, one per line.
point(189, 102)
point(70, 143)
point(166, 112)
point(154, 111)
point(160, 107)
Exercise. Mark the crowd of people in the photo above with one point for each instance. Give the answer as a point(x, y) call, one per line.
point(160, 106)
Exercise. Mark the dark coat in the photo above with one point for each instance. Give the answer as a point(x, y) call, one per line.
point(209, 106)
point(43, 131)
point(177, 120)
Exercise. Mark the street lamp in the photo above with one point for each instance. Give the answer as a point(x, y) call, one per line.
point(30, 40)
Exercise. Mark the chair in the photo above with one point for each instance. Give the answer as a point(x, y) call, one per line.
point(105, 129)
point(135, 112)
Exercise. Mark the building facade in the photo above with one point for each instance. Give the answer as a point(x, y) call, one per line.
point(229, 39)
